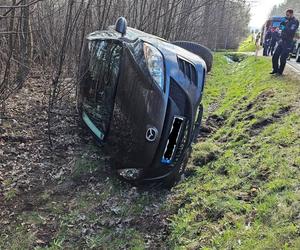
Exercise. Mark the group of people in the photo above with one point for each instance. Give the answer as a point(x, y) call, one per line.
point(279, 42)
point(271, 39)
point(285, 44)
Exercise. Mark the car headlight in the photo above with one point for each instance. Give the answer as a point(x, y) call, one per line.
point(155, 63)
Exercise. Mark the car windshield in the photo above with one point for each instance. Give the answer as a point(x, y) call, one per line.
point(99, 84)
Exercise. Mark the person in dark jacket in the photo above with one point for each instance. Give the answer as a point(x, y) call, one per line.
point(267, 42)
point(289, 28)
point(274, 39)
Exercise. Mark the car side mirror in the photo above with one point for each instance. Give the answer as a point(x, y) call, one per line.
point(121, 25)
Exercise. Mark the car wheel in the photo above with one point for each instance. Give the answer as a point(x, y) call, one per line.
point(199, 50)
point(298, 55)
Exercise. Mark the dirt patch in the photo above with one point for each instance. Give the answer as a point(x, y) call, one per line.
point(206, 158)
point(263, 97)
point(257, 127)
point(210, 126)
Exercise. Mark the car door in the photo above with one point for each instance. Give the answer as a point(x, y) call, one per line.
point(100, 72)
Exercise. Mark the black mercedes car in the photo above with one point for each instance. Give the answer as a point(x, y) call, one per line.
point(140, 96)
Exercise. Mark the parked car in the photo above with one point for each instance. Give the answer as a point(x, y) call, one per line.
point(272, 23)
point(140, 96)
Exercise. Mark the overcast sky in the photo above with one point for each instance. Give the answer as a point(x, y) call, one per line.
point(260, 10)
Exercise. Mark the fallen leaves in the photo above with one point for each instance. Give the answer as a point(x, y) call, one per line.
point(38, 180)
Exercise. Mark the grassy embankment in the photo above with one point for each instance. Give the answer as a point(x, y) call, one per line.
point(247, 45)
point(244, 192)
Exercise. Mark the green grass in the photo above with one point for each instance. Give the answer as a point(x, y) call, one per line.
point(246, 196)
point(247, 45)
point(19, 239)
point(111, 239)
point(242, 193)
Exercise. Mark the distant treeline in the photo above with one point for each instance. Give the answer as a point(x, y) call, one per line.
point(288, 4)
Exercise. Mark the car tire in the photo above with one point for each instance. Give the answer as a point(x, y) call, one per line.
point(298, 55)
point(199, 50)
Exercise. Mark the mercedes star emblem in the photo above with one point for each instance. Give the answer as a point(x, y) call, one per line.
point(151, 134)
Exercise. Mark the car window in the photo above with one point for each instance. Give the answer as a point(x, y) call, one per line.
point(276, 24)
point(100, 83)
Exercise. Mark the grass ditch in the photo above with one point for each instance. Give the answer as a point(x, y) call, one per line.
point(244, 191)
point(248, 45)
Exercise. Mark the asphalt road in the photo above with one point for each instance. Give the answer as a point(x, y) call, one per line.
point(294, 65)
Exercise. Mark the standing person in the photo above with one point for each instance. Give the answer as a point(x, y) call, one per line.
point(267, 42)
point(257, 43)
point(290, 26)
point(274, 40)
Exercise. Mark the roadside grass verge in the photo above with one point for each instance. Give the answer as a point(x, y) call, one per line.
point(244, 192)
point(247, 45)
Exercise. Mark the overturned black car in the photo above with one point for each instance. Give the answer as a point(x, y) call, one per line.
point(140, 96)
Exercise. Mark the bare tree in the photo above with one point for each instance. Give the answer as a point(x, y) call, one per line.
point(45, 34)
